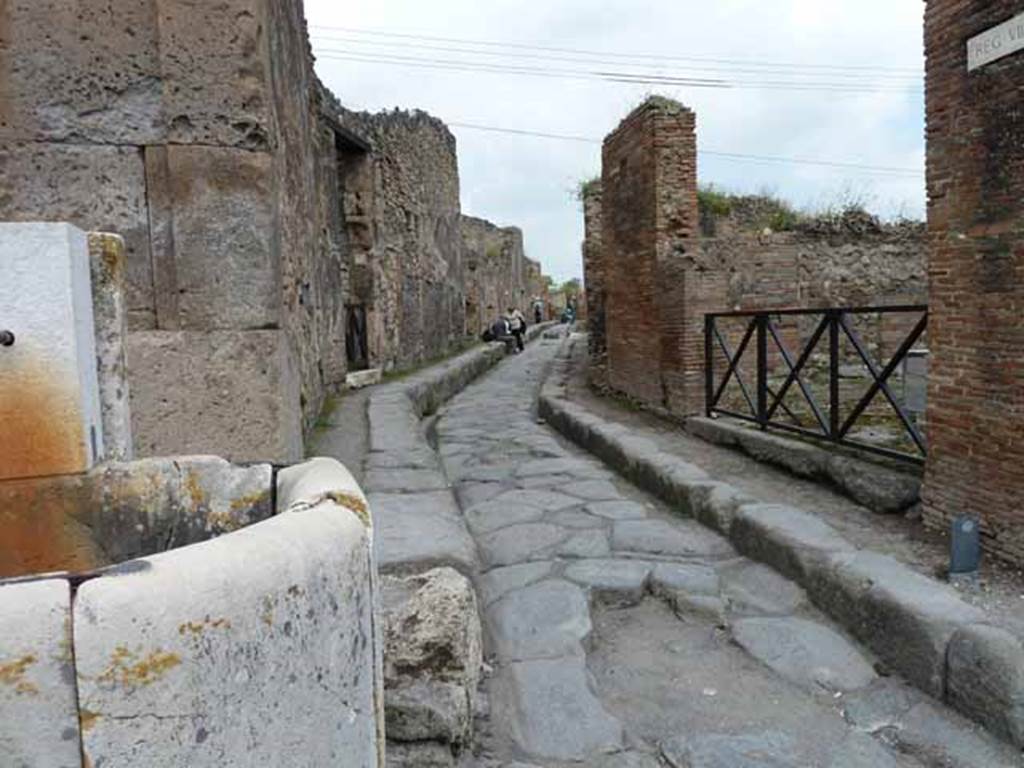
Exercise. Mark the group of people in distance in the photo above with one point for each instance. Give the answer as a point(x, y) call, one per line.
point(510, 328)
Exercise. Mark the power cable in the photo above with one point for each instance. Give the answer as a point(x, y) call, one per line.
point(648, 56)
point(619, 77)
point(892, 170)
point(575, 59)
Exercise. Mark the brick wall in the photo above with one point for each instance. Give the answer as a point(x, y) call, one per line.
point(975, 130)
point(594, 282)
point(650, 223)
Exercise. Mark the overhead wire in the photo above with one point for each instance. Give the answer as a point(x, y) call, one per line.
point(609, 76)
point(604, 60)
point(842, 164)
point(621, 55)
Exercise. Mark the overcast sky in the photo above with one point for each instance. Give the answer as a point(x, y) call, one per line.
point(530, 181)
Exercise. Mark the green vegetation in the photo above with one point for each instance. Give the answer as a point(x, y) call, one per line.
point(713, 200)
point(587, 187)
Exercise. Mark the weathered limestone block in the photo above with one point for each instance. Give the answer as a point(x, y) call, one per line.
point(986, 679)
point(231, 279)
point(432, 656)
point(249, 649)
point(107, 269)
point(140, 72)
point(50, 420)
point(234, 394)
point(106, 88)
point(97, 188)
point(38, 715)
point(214, 61)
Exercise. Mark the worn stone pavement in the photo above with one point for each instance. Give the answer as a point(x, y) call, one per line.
point(619, 634)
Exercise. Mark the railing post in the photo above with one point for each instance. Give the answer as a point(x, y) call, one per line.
point(709, 364)
point(833, 374)
point(762, 370)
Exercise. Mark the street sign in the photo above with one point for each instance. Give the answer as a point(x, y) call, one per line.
point(995, 43)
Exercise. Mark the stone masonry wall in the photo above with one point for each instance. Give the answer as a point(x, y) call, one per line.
point(172, 124)
point(409, 200)
point(262, 222)
point(975, 130)
point(497, 272)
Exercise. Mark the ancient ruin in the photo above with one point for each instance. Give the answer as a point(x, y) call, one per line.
point(267, 497)
point(275, 240)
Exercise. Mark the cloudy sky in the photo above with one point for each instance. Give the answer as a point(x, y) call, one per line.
point(822, 80)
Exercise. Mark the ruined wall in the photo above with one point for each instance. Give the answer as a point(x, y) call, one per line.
point(652, 276)
point(188, 129)
point(655, 285)
point(497, 272)
point(975, 130)
point(594, 281)
point(406, 194)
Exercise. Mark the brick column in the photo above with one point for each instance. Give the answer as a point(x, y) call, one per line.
point(976, 229)
point(594, 268)
point(657, 289)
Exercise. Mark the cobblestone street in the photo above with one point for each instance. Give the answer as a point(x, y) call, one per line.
point(621, 635)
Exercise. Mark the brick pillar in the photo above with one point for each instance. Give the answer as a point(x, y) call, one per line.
point(593, 267)
point(976, 230)
point(657, 290)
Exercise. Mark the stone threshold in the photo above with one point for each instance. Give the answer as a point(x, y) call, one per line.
point(917, 627)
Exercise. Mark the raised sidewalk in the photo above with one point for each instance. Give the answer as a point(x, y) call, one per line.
point(918, 627)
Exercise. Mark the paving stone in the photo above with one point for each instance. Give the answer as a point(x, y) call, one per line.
point(939, 737)
point(671, 578)
point(858, 750)
point(520, 543)
point(552, 712)
point(543, 620)
point(544, 481)
point(549, 501)
point(570, 466)
point(470, 494)
point(592, 543)
point(755, 588)
point(804, 652)
point(485, 473)
point(684, 538)
point(572, 518)
point(626, 580)
point(404, 480)
point(498, 513)
point(707, 750)
point(420, 531)
point(593, 490)
point(497, 582)
point(618, 510)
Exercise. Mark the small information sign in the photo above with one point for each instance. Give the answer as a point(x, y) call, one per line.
point(995, 43)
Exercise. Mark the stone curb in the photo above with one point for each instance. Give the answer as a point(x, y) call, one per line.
point(879, 488)
point(918, 627)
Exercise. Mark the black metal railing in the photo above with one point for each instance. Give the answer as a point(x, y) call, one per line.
point(764, 402)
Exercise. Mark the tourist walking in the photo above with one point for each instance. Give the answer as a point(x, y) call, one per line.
point(517, 327)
